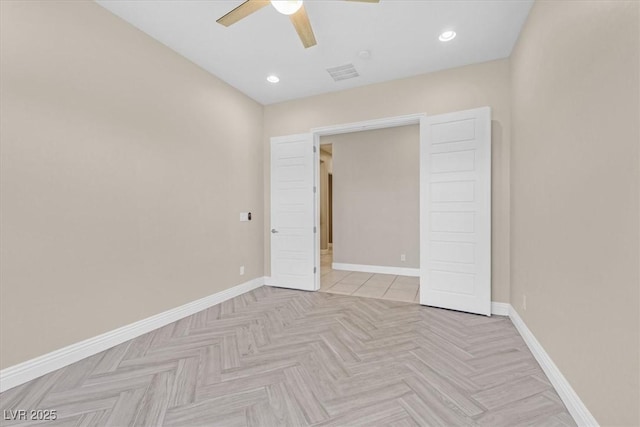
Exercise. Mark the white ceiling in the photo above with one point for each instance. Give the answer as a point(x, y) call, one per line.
point(402, 37)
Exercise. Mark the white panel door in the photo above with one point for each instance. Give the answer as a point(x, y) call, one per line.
point(292, 212)
point(455, 211)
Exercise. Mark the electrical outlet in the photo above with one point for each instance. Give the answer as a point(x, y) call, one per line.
point(242, 270)
point(403, 257)
point(524, 302)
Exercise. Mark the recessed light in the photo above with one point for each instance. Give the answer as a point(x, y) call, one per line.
point(364, 54)
point(447, 36)
point(273, 79)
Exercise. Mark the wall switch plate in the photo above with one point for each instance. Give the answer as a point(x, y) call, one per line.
point(245, 216)
point(403, 257)
point(242, 270)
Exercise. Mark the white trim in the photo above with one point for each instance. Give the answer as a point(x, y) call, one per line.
point(500, 308)
point(386, 122)
point(570, 398)
point(378, 269)
point(26, 371)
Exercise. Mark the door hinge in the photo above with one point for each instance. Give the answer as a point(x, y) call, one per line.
point(314, 149)
point(314, 229)
point(314, 270)
point(314, 188)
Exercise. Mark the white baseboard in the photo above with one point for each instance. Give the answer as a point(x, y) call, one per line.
point(377, 269)
point(19, 374)
point(34, 368)
point(500, 308)
point(570, 398)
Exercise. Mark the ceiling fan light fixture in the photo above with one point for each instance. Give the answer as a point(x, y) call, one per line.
point(273, 79)
point(287, 7)
point(446, 36)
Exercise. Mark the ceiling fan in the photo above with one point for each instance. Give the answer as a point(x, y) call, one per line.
point(293, 8)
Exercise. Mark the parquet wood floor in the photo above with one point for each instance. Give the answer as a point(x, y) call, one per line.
point(279, 357)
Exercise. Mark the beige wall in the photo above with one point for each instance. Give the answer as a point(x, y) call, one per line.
point(124, 169)
point(376, 197)
point(441, 92)
point(575, 235)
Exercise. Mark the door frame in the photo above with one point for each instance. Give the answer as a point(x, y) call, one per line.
point(382, 123)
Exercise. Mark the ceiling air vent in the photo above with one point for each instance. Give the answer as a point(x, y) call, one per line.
point(343, 72)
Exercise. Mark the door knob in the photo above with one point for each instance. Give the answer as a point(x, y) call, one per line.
point(274, 231)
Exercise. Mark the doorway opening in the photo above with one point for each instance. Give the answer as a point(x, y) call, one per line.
point(377, 213)
point(454, 207)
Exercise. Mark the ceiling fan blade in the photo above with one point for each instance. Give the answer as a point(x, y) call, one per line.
point(300, 21)
point(242, 11)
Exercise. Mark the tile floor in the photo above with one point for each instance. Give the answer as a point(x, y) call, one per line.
point(381, 286)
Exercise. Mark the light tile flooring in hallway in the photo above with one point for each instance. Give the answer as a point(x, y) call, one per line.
point(381, 286)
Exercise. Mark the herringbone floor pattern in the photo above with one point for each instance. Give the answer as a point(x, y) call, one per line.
point(276, 357)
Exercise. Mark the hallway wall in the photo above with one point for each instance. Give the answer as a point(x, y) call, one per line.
point(326, 167)
point(376, 212)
